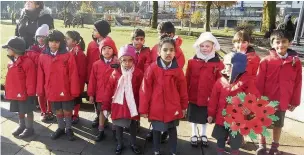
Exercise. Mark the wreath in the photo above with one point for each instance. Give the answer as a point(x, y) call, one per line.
point(260, 117)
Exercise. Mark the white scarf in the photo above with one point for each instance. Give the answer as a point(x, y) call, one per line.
point(205, 57)
point(124, 87)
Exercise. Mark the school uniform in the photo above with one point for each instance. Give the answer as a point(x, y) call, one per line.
point(253, 61)
point(280, 79)
point(144, 58)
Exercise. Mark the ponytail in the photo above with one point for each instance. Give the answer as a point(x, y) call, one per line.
point(81, 44)
point(76, 37)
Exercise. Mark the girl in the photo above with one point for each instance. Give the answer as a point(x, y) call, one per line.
point(100, 74)
point(235, 79)
point(122, 97)
point(76, 46)
point(20, 86)
point(58, 80)
point(202, 72)
point(163, 95)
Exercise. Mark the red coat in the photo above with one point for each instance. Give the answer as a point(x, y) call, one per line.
point(253, 61)
point(201, 77)
point(122, 111)
point(20, 79)
point(57, 76)
point(34, 52)
point(179, 53)
point(222, 89)
point(163, 93)
point(281, 80)
point(144, 59)
point(81, 62)
point(99, 78)
point(93, 54)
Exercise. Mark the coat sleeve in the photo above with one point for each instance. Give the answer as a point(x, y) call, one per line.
point(296, 98)
point(92, 82)
point(31, 78)
point(188, 76)
point(255, 65)
point(145, 91)
point(73, 76)
point(182, 88)
point(261, 76)
point(40, 78)
point(252, 89)
point(88, 63)
point(109, 92)
point(148, 60)
point(82, 71)
point(214, 100)
point(181, 59)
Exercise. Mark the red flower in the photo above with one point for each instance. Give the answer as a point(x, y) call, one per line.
point(232, 118)
point(246, 129)
point(265, 121)
point(256, 125)
point(237, 125)
point(236, 101)
point(258, 105)
point(264, 111)
point(249, 101)
point(233, 110)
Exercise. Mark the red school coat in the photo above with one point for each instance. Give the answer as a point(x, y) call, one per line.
point(81, 62)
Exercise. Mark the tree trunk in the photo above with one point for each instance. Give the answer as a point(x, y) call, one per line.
point(208, 7)
point(154, 15)
point(269, 16)
point(219, 17)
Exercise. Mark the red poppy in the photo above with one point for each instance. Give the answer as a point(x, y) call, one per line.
point(250, 100)
point(237, 125)
point(265, 121)
point(232, 110)
point(232, 118)
point(256, 125)
point(246, 129)
point(264, 111)
point(259, 105)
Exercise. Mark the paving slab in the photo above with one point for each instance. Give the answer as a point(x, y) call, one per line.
point(29, 150)
point(9, 149)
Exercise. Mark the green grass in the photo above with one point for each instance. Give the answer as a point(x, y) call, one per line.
point(121, 36)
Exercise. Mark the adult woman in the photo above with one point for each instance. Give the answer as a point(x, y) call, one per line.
point(32, 16)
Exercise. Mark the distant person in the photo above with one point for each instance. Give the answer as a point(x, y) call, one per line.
point(287, 25)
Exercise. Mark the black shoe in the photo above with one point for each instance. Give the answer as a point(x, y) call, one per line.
point(18, 131)
point(157, 153)
point(164, 137)
point(135, 149)
point(149, 136)
point(119, 149)
point(95, 123)
point(50, 117)
point(58, 133)
point(70, 134)
point(114, 135)
point(75, 119)
point(27, 133)
point(100, 136)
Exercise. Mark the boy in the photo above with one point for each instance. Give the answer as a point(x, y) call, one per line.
point(143, 52)
point(20, 86)
point(279, 78)
point(58, 80)
point(167, 29)
point(101, 30)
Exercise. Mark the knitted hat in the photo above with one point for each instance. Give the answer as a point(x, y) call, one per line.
point(17, 44)
point(43, 30)
point(108, 42)
point(103, 27)
point(239, 63)
point(128, 50)
point(206, 36)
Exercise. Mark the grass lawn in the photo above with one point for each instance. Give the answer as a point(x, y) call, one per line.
point(121, 36)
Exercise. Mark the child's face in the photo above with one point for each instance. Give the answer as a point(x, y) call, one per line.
point(241, 46)
point(30, 5)
point(167, 52)
point(10, 52)
point(40, 40)
point(281, 45)
point(96, 34)
point(126, 62)
point(138, 42)
point(107, 52)
point(206, 47)
point(70, 42)
point(54, 45)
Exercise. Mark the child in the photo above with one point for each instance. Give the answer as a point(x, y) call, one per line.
point(58, 80)
point(202, 72)
point(280, 78)
point(20, 86)
point(76, 46)
point(168, 29)
point(122, 97)
point(241, 41)
point(234, 80)
point(101, 30)
point(163, 95)
point(143, 52)
point(34, 52)
point(100, 74)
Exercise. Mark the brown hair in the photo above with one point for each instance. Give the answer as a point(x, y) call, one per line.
point(40, 3)
point(241, 36)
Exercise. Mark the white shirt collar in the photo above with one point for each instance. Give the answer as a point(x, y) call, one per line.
point(283, 57)
point(54, 53)
point(164, 65)
point(106, 61)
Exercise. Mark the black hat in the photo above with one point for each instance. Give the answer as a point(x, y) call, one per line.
point(103, 27)
point(17, 44)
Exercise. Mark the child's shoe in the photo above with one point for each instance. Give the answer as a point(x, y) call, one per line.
point(27, 133)
point(135, 149)
point(119, 149)
point(58, 133)
point(100, 136)
point(70, 134)
point(75, 119)
point(18, 131)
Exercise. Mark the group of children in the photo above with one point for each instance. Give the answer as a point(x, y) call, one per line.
point(135, 82)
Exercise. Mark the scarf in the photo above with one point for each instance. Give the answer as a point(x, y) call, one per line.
point(205, 57)
point(124, 88)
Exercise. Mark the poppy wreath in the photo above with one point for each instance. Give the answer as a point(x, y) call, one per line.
point(249, 115)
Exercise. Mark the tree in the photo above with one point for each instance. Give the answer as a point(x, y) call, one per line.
point(219, 5)
point(86, 7)
point(196, 17)
point(154, 15)
point(269, 16)
point(207, 24)
point(183, 7)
